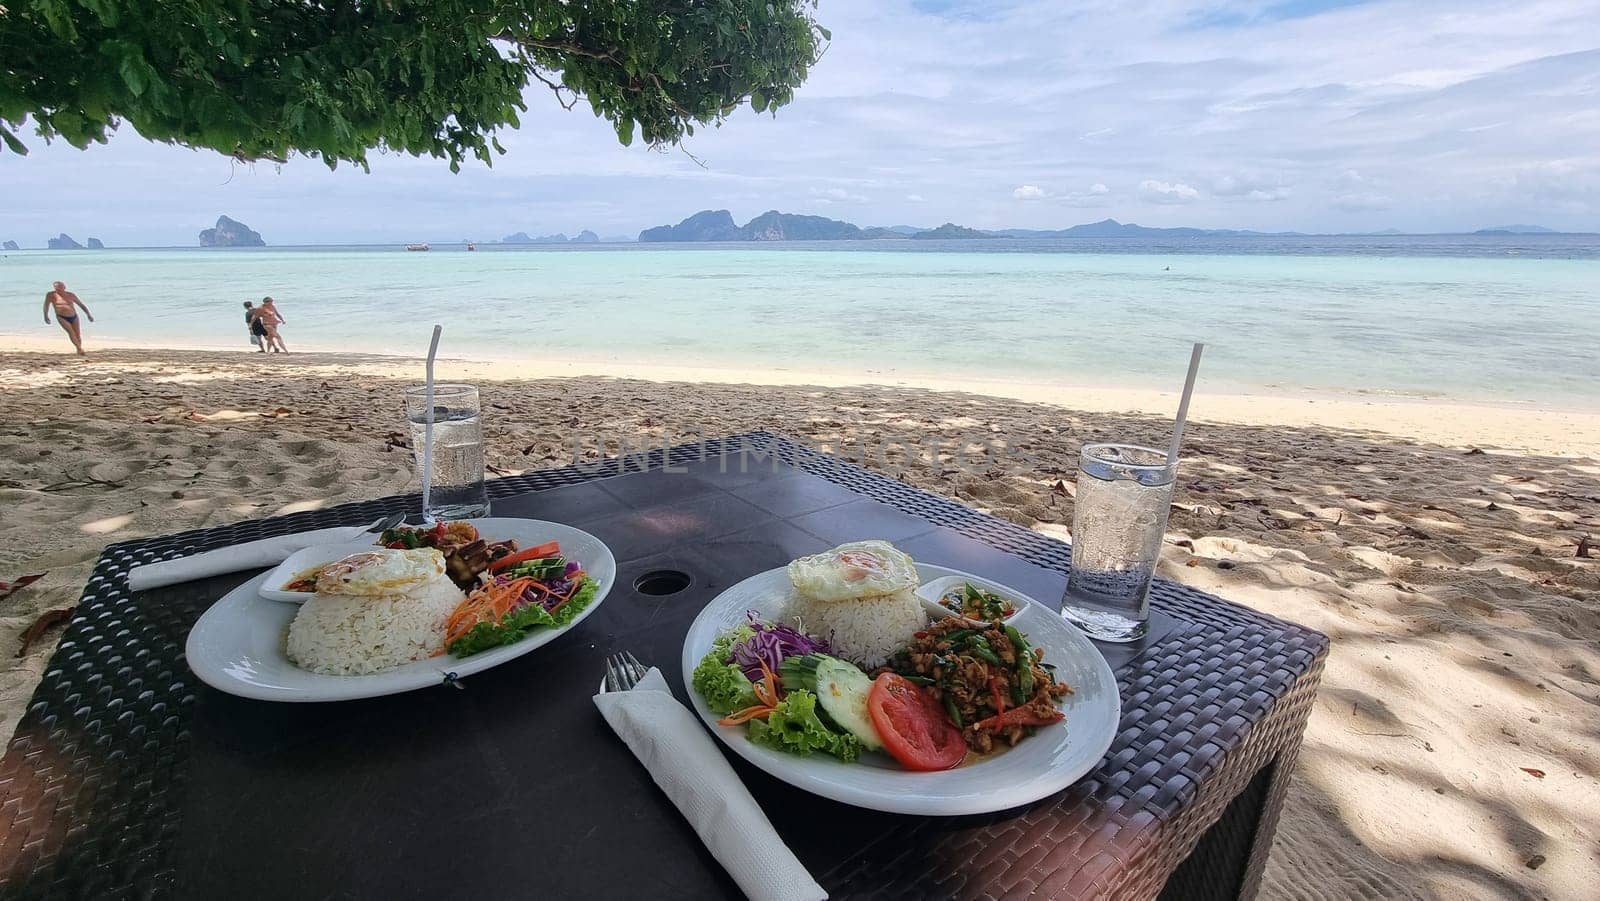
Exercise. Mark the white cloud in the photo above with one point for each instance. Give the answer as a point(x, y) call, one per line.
point(1254, 187)
point(835, 195)
point(1093, 196)
point(1029, 192)
point(1167, 192)
point(1452, 114)
point(1362, 201)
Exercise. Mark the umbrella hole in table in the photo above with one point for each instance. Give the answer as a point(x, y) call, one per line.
point(661, 582)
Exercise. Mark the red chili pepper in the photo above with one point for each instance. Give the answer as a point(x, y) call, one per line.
point(996, 694)
point(1018, 716)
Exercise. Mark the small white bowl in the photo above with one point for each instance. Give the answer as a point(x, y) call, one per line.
point(930, 592)
point(300, 561)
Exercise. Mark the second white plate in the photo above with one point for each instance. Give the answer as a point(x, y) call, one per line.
point(1037, 767)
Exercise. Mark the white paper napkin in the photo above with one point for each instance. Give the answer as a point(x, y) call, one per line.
point(250, 555)
point(688, 766)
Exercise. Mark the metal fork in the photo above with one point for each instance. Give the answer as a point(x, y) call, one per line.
point(623, 671)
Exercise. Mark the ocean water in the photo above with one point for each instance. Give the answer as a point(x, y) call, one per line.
point(1497, 319)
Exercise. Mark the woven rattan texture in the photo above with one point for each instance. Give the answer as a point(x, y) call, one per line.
point(89, 784)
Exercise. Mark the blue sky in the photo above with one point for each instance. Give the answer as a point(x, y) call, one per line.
point(1315, 115)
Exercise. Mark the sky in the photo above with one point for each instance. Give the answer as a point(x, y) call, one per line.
point(1308, 115)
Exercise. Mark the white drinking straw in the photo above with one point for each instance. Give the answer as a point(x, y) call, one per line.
point(427, 427)
point(1183, 405)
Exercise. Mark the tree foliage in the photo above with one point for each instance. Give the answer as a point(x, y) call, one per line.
point(262, 79)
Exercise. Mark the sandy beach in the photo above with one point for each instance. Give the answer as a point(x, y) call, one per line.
point(1455, 747)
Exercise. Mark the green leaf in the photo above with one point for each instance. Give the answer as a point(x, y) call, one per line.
point(11, 142)
point(422, 77)
point(132, 70)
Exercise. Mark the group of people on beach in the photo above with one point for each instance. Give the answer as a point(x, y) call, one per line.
point(262, 322)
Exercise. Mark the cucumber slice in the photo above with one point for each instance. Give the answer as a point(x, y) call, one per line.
point(842, 691)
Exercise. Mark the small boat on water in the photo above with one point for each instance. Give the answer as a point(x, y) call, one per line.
point(416, 247)
point(471, 246)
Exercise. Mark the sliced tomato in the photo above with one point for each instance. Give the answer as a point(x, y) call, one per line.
point(913, 726)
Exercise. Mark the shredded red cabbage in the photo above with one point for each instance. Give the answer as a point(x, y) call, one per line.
point(770, 644)
point(559, 588)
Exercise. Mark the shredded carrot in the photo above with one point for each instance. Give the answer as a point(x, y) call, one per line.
point(766, 692)
point(488, 604)
point(491, 603)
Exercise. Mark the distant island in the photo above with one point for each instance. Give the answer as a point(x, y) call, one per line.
point(952, 231)
point(1111, 228)
point(64, 241)
point(1516, 230)
point(718, 225)
point(231, 233)
point(584, 237)
point(10, 245)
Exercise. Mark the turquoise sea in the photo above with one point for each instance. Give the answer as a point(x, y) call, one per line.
point(1500, 319)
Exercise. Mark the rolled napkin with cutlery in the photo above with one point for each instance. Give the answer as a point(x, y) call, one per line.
point(232, 559)
point(688, 766)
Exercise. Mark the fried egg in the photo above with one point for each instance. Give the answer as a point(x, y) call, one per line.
point(381, 571)
point(858, 569)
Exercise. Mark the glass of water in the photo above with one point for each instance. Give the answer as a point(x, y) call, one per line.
point(457, 490)
point(1118, 521)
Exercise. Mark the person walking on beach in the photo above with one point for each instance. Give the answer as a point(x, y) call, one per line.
point(66, 305)
point(270, 319)
point(253, 326)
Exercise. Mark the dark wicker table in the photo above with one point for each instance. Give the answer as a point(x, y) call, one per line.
point(129, 778)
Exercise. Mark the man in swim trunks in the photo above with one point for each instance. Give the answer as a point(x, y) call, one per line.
point(66, 303)
point(251, 326)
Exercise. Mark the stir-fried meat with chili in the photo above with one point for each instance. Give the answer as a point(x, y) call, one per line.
point(991, 682)
point(466, 554)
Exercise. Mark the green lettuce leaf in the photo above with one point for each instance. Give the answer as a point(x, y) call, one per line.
point(794, 727)
point(723, 685)
point(718, 680)
point(516, 625)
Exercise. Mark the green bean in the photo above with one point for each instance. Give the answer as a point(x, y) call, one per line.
point(950, 708)
point(983, 652)
point(1017, 641)
point(920, 680)
point(1025, 677)
point(959, 634)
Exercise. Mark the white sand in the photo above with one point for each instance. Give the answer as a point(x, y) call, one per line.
point(1467, 632)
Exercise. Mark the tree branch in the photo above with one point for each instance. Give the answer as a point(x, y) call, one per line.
point(557, 89)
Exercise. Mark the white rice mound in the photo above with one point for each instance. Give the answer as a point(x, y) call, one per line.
point(864, 631)
point(352, 635)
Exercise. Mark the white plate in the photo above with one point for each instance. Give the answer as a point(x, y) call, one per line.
point(304, 559)
point(930, 593)
point(238, 644)
point(1037, 767)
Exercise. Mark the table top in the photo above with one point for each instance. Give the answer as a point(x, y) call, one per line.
point(127, 776)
